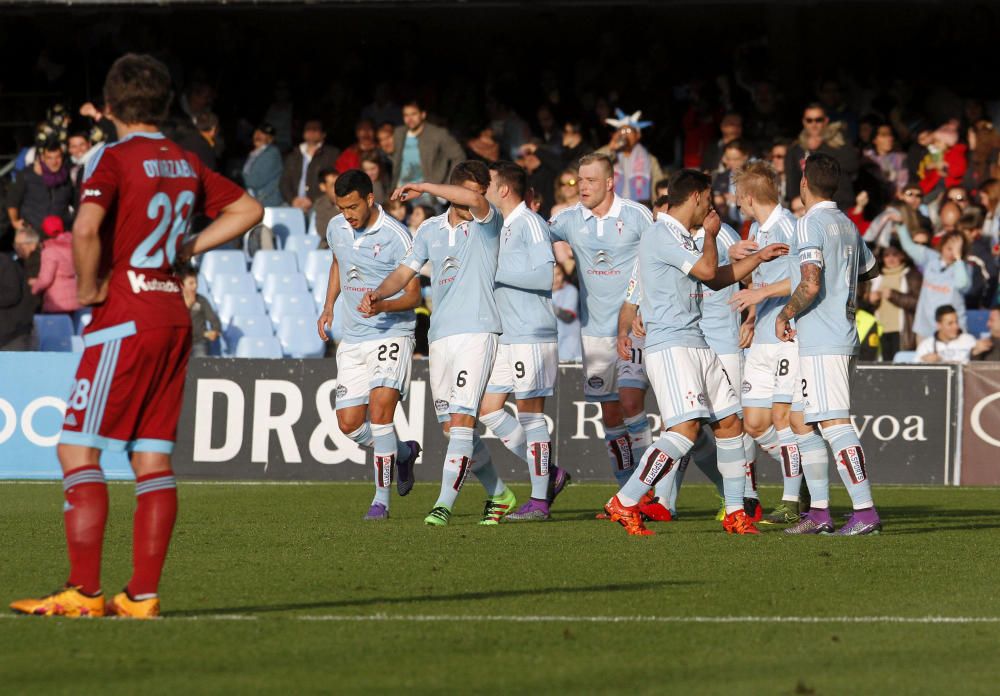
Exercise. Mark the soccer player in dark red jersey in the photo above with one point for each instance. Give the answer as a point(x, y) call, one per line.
point(135, 209)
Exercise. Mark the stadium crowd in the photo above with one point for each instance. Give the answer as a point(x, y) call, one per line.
point(922, 186)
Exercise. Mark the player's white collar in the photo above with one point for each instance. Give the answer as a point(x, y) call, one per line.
point(822, 205)
point(773, 218)
point(371, 229)
point(521, 209)
point(614, 211)
point(157, 135)
point(445, 225)
point(671, 221)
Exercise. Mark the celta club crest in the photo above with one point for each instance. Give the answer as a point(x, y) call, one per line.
point(465, 229)
point(688, 243)
point(506, 235)
point(376, 249)
point(620, 225)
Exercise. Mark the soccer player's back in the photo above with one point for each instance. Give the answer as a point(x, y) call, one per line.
point(135, 209)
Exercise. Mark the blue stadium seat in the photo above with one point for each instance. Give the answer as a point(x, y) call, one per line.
point(230, 284)
point(319, 292)
point(282, 283)
point(299, 339)
point(302, 245)
point(291, 304)
point(259, 347)
point(316, 267)
point(285, 222)
point(54, 332)
point(976, 320)
point(311, 227)
point(81, 318)
point(245, 325)
point(248, 305)
point(905, 356)
point(265, 262)
point(222, 261)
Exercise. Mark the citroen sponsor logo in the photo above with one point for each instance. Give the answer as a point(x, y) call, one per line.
point(354, 275)
point(603, 257)
point(450, 263)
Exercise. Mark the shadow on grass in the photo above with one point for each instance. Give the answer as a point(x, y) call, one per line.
point(459, 596)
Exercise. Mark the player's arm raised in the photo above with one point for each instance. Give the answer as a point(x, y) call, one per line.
point(458, 195)
point(332, 293)
point(90, 289)
point(233, 221)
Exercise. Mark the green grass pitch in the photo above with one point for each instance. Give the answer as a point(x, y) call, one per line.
point(263, 581)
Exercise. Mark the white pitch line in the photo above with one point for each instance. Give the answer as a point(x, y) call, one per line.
point(466, 618)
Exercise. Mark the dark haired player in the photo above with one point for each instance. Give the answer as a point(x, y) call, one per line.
point(462, 245)
point(138, 198)
point(374, 358)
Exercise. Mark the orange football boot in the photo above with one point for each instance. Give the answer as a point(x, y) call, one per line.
point(739, 523)
point(628, 517)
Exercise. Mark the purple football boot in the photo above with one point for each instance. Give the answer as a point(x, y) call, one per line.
point(405, 475)
point(862, 522)
point(532, 511)
point(377, 511)
point(816, 521)
point(558, 480)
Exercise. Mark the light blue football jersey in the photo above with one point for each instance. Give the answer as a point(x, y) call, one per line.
point(366, 257)
point(463, 268)
point(524, 279)
point(779, 228)
point(828, 239)
point(719, 322)
point(605, 250)
point(671, 300)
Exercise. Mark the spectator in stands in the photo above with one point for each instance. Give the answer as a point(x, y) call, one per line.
point(41, 190)
point(948, 216)
point(205, 324)
point(385, 140)
point(56, 281)
point(76, 147)
point(364, 144)
point(892, 298)
point(262, 170)
point(661, 189)
point(279, 115)
point(981, 258)
point(820, 135)
point(396, 209)
point(371, 164)
point(326, 205)
point(950, 343)
point(776, 156)
point(542, 174)
point(418, 216)
point(882, 229)
point(27, 246)
point(730, 128)
point(421, 150)
point(945, 163)
point(959, 196)
point(913, 197)
point(945, 274)
point(566, 305)
point(483, 146)
point(993, 354)
point(202, 139)
point(573, 144)
point(989, 198)
point(984, 146)
point(891, 163)
point(300, 179)
point(567, 191)
point(17, 308)
point(636, 169)
point(734, 156)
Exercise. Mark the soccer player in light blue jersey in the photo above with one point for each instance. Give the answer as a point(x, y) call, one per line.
point(689, 381)
point(832, 260)
point(528, 357)
point(374, 357)
point(603, 232)
point(462, 245)
point(772, 366)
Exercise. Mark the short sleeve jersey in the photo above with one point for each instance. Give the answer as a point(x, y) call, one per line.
point(525, 246)
point(829, 240)
point(605, 250)
point(149, 188)
point(365, 258)
point(463, 268)
point(779, 228)
point(720, 324)
point(671, 299)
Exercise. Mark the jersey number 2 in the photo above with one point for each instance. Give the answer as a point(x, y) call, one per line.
point(174, 217)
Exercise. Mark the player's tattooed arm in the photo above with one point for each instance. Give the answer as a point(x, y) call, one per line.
point(802, 298)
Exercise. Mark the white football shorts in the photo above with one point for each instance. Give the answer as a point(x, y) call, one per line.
point(770, 374)
point(526, 369)
point(361, 367)
point(825, 386)
point(459, 371)
point(691, 384)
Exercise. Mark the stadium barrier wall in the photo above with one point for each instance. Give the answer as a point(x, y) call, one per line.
point(274, 420)
point(980, 463)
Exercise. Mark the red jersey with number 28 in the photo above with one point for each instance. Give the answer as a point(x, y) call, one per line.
point(150, 188)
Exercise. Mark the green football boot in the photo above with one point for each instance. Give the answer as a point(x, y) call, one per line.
point(498, 507)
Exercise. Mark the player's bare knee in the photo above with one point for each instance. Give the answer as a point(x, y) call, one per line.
point(632, 402)
point(146, 463)
point(690, 429)
point(756, 424)
point(611, 414)
point(349, 421)
point(730, 426)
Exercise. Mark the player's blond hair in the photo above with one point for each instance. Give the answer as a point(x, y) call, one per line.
point(759, 180)
point(599, 158)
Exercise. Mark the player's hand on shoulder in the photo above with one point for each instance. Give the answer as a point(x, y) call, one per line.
point(742, 249)
point(773, 251)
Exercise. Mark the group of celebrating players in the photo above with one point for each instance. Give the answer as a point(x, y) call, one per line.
point(661, 307)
